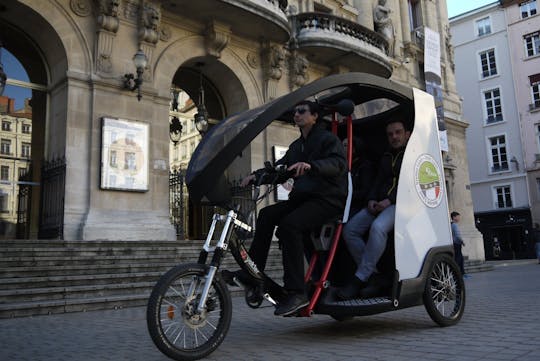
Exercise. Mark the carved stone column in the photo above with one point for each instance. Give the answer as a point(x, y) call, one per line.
point(405, 25)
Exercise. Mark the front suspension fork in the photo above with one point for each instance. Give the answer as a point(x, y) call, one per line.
point(231, 221)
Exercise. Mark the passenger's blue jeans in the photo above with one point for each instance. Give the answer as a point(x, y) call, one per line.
point(367, 255)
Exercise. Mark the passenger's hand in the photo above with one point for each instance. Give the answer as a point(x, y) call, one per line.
point(382, 205)
point(371, 207)
point(247, 180)
point(300, 168)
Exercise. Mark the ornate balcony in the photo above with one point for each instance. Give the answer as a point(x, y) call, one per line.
point(257, 19)
point(334, 41)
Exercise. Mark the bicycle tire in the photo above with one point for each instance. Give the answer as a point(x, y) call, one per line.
point(172, 323)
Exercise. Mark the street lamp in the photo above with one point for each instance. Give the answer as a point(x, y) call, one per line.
point(201, 117)
point(175, 130)
point(130, 82)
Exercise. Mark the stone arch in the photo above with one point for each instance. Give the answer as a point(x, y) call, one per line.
point(50, 44)
point(221, 72)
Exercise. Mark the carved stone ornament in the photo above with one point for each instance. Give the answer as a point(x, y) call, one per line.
point(216, 38)
point(274, 56)
point(150, 18)
point(81, 7)
point(165, 33)
point(252, 60)
point(299, 70)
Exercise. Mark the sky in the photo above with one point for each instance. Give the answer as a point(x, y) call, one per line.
point(457, 7)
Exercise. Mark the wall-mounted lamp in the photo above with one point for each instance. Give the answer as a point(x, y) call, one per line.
point(175, 130)
point(130, 82)
point(3, 76)
point(201, 117)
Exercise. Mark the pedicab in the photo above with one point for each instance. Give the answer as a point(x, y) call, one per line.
point(189, 311)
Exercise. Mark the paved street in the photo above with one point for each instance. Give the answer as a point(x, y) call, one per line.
point(501, 322)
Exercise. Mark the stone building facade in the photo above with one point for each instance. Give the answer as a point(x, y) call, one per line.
point(244, 52)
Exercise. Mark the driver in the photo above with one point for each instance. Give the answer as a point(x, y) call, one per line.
point(318, 165)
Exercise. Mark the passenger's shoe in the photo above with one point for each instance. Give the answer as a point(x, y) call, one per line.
point(292, 303)
point(242, 276)
point(351, 290)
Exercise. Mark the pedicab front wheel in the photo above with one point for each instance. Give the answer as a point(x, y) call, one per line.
point(177, 328)
point(444, 292)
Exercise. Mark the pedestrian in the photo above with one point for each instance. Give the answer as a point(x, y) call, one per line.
point(458, 241)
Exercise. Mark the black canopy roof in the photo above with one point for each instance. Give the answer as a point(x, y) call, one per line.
point(205, 176)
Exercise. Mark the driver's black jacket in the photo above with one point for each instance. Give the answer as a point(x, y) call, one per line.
point(327, 179)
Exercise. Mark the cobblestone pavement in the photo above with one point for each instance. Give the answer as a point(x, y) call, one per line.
point(501, 322)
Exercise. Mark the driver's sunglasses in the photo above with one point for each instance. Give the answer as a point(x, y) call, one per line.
point(300, 110)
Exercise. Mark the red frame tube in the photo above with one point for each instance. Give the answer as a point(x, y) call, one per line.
point(319, 285)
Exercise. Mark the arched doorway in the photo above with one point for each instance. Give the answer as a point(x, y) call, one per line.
point(196, 81)
point(23, 113)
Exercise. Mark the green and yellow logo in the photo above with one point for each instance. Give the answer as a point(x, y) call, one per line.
point(428, 180)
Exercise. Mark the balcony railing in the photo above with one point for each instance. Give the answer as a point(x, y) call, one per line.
point(335, 24)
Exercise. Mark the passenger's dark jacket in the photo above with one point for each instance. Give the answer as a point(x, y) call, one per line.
point(327, 178)
point(386, 182)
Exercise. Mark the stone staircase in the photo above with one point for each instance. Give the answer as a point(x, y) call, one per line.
point(55, 276)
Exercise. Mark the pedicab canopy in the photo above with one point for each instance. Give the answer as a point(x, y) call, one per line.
point(206, 179)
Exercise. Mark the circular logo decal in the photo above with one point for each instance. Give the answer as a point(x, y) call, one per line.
point(428, 180)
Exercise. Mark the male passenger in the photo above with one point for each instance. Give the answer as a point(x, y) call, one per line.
point(318, 161)
point(379, 213)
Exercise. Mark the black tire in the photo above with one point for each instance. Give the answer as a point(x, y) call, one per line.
point(444, 293)
point(176, 330)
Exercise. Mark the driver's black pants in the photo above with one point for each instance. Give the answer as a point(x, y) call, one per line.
point(294, 220)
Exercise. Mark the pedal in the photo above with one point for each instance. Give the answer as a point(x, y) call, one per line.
point(269, 299)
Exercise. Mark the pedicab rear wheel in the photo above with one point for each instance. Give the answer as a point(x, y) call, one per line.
point(176, 327)
point(444, 292)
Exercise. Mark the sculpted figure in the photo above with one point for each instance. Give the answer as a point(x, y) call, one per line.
point(383, 24)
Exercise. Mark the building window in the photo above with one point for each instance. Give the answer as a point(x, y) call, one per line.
point(4, 173)
point(415, 14)
point(527, 8)
point(25, 150)
point(483, 26)
point(532, 44)
point(534, 80)
point(26, 128)
point(113, 161)
point(130, 161)
point(492, 101)
point(487, 60)
point(499, 158)
point(5, 146)
point(6, 126)
point(4, 202)
point(503, 198)
point(22, 172)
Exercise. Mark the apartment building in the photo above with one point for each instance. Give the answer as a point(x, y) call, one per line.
point(496, 61)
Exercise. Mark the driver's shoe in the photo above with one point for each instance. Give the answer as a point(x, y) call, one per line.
point(293, 303)
point(351, 290)
point(242, 276)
